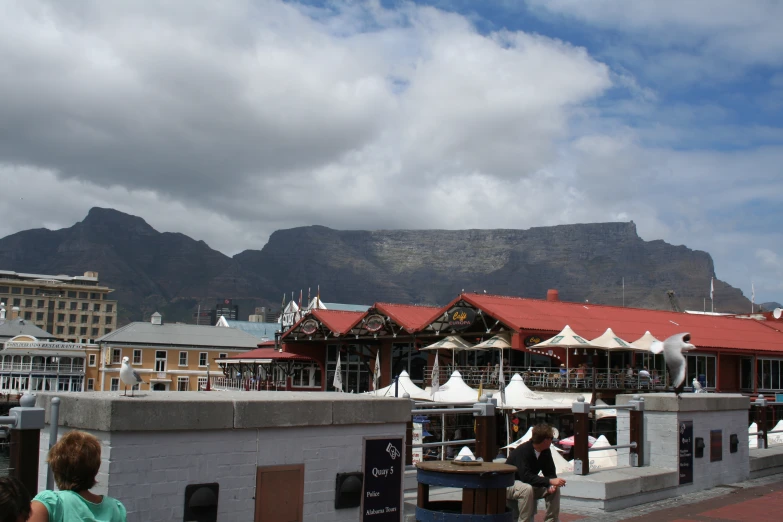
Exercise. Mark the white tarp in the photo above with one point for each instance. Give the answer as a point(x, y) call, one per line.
point(566, 397)
point(524, 438)
point(406, 385)
point(775, 439)
point(520, 397)
point(455, 390)
point(604, 414)
point(753, 431)
point(561, 464)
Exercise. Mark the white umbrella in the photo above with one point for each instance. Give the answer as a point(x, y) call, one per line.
point(404, 385)
point(451, 342)
point(455, 390)
point(753, 431)
point(567, 339)
point(338, 375)
point(776, 438)
point(610, 342)
point(376, 374)
point(520, 397)
point(644, 342)
point(500, 341)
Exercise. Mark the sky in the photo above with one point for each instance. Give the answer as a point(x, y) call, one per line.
point(229, 120)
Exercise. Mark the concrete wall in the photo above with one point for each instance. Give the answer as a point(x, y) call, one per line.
point(154, 446)
point(708, 411)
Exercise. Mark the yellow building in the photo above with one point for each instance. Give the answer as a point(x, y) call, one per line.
point(73, 308)
point(167, 356)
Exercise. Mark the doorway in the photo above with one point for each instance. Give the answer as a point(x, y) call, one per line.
point(159, 386)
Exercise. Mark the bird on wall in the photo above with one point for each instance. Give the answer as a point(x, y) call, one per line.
point(672, 349)
point(696, 385)
point(129, 376)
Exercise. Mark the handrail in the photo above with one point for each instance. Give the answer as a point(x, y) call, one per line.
point(632, 445)
point(446, 443)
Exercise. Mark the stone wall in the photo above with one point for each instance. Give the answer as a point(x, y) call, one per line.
point(154, 446)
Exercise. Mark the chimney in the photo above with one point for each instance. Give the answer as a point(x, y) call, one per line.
point(14, 312)
point(156, 318)
point(91, 274)
point(552, 295)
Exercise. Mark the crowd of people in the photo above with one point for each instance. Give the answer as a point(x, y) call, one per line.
point(74, 461)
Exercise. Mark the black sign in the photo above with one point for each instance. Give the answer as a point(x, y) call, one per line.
point(530, 340)
point(716, 445)
point(686, 452)
point(460, 318)
point(383, 471)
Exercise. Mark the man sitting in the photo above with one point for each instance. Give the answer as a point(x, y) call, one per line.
point(530, 458)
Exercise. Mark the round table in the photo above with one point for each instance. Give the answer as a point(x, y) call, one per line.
point(483, 491)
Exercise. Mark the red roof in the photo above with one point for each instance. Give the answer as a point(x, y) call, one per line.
point(590, 321)
point(338, 321)
point(410, 317)
point(269, 353)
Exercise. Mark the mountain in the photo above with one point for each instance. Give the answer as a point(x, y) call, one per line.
point(175, 274)
point(770, 305)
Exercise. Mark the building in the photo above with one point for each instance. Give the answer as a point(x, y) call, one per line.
point(73, 308)
point(167, 356)
point(227, 309)
point(32, 359)
point(262, 314)
point(732, 354)
point(262, 330)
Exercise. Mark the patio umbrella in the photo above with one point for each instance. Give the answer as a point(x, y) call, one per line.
point(567, 339)
point(455, 343)
point(520, 397)
point(500, 341)
point(404, 385)
point(644, 342)
point(610, 342)
point(570, 441)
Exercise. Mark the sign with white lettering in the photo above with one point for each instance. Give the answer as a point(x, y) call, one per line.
point(686, 452)
point(383, 466)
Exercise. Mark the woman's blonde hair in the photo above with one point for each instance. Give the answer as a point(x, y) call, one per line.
point(75, 461)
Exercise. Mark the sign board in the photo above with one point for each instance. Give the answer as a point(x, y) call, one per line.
point(460, 318)
point(779, 397)
point(686, 452)
point(383, 466)
point(309, 327)
point(716, 445)
point(374, 323)
point(417, 437)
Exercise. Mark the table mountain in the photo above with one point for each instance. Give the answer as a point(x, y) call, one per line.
point(173, 273)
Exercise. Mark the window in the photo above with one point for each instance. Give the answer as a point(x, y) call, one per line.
point(202, 358)
point(183, 383)
point(60, 329)
point(91, 359)
point(95, 295)
point(308, 376)
point(90, 384)
point(17, 302)
point(701, 368)
point(28, 315)
point(71, 293)
point(136, 356)
point(41, 303)
point(27, 291)
point(769, 374)
point(71, 318)
point(109, 308)
point(202, 383)
point(85, 307)
point(107, 330)
point(61, 317)
point(83, 319)
point(95, 319)
point(115, 385)
point(160, 361)
point(39, 316)
point(61, 305)
point(116, 356)
point(71, 330)
point(4, 290)
point(94, 333)
point(83, 330)
point(16, 290)
point(28, 303)
point(73, 305)
point(183, 358)
point(223, 355)
point(96, 307)
point(108, 320)
point(82, 295)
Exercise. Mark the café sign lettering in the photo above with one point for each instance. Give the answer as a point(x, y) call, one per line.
point(374, 323)
point(309, 327)
point(460, 318)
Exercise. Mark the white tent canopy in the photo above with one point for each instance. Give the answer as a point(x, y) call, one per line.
point(500, 341)
point(644, 342)
point(611, 342)
point(520, 397)
point(753, 431)
point(567, 338)
point(568, 398)
point(455, 390)
point(561, 464)
point(521, 440)
point(775, 439)
point(405, 385)
point(451, 342)
point(602, 458)
point(604, 414)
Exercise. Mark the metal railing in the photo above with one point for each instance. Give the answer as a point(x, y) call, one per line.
point(582, 409)
point(24, 425)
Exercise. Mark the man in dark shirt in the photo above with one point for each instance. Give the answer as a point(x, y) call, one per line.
point(530, 458)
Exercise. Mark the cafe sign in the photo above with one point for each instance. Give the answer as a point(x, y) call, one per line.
point(309, 327)
point(374, 323)
point(461, 318)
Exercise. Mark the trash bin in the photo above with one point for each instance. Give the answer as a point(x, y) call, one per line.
point(483, 491)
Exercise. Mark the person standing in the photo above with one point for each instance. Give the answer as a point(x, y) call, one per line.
point(530, 459)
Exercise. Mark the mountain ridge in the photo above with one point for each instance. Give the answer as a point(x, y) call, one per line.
point(173, 273)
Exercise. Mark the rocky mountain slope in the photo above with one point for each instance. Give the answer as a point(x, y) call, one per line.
point(173, 273)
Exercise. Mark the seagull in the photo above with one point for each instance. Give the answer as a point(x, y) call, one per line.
point(696, 386)
point(129, 376)
point(672, 349)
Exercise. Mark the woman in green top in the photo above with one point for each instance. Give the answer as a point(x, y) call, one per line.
point(75, 460)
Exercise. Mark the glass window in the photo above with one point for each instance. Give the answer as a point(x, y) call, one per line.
point(83, 319)
point(202, 358)
point(107, 330)
point(701, 368)
point(39, 316)
point(183, 383)
point(16, 290)
point(136, 356)
point(28, 315)
point(116, 356)
point(71, 293)
point(160, 361)
point(61, 305)
point(90, 384)
point(61, 317)
point(41, 303)
point(108, 320)
point(109, 308)
point(4, 289)
point(27, 291)
point(85, 307)
point(91, 359)
point(94, 333)
point(82, 295)
point(60, 329)
point(73, 306)
point(17, 302)
point(96, 307)
point(223, 355)
point(95, 295)
point(183, 358)
point(28, 303)
point(83, 330)
point(72, 318)
point(115, 385)
point(95, 319)
point(202, 383)
point(71, 330)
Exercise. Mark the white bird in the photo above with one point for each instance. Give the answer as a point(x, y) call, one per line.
point(672, 349)
point(129, 376)
point(696, 385)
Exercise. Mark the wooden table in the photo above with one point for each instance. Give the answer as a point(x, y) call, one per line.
point(483, 491)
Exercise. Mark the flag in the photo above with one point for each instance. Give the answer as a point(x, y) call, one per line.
point(752, 294)
point(338, 375)
point(300, 298)
point(318, 295)
point(435, 377)
point(308, 295)
point(712, 288)
point(376, 374)
point(502, 380)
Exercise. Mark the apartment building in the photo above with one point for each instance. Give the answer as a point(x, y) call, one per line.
point(73, 308)
point(167, 356)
